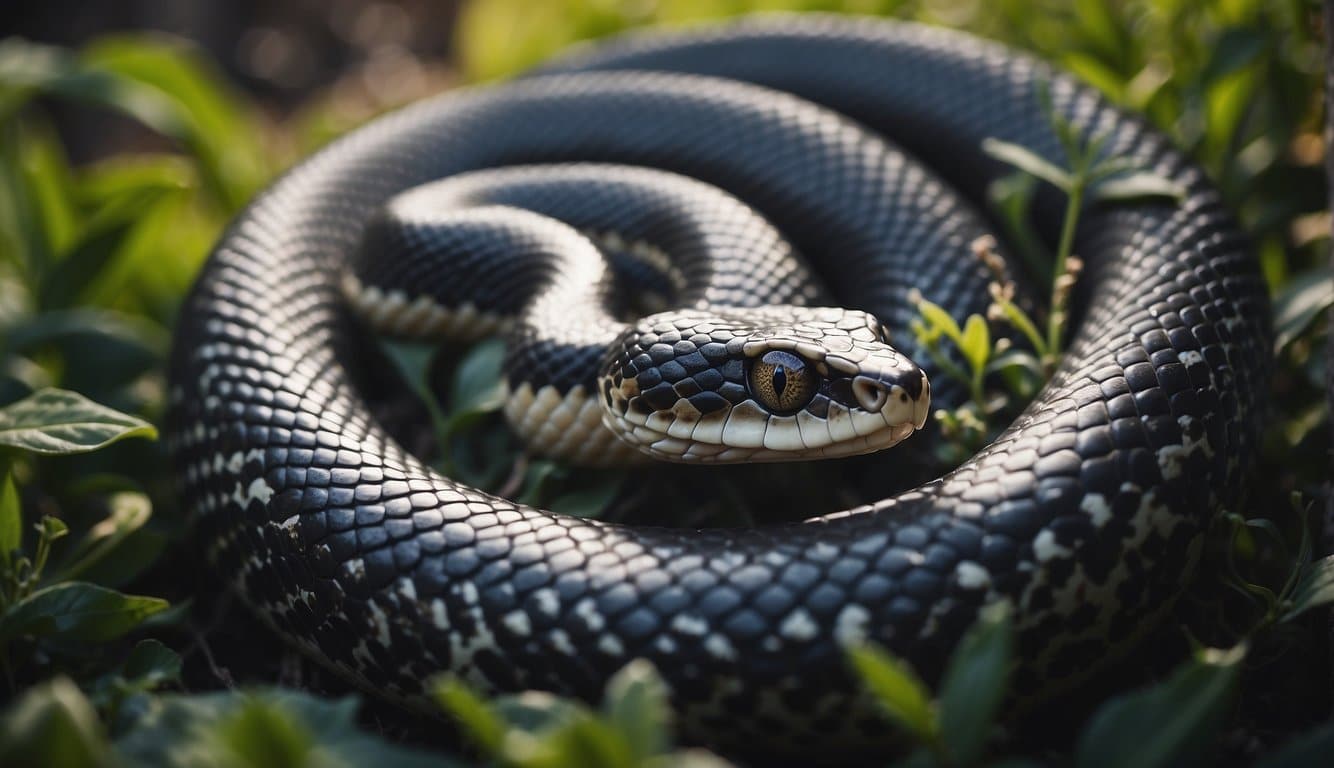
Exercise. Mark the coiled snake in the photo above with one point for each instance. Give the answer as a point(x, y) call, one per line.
point(1086, 513)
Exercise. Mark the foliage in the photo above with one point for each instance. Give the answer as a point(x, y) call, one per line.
point(96, 256)
point(537, 730)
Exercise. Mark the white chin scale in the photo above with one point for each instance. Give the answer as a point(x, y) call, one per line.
point(747, 432)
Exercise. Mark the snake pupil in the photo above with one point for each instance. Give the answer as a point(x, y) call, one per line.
point(780, 381)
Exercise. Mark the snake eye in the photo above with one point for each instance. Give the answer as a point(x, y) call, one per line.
point(782, 382)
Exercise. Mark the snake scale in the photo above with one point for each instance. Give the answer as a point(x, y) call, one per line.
point(1086, 513)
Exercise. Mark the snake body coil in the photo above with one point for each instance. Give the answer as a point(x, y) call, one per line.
point(1086, 513)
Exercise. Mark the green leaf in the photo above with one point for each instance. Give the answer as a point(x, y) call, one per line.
point(584, 741)
point(1029, 162)
point(904, 696)
point(476, 716)
point(1155, 726)
point(976, 343)
point(52, 528)
point(56, 421)
point(975, 683)
point(128, 512)
point(269, 727)
point(476, 388)
point(151, 664)
point(1314, 589)
point(1311, 748)
point(636, 707)
point(214, 122)
point(1302, 300)
point(11, 518)
point(534, 711)
point(264, 734)
point(689, 758)
point(52, 724)
point(1138, 185)
point(77, 611)
point(939, 321)
point(589, 503)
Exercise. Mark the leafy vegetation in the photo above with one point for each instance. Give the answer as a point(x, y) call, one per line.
point(107, 634)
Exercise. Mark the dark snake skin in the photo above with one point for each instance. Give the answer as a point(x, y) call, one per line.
point(1086, 513)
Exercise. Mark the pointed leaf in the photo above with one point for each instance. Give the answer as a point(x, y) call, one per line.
point(976, 342)
point(1316, 588)
point(904, 697)
point(11, 518)
point(56, 421)
point(1140, 185)
point(939, 321)
point(77, 611)
point(1029, 162)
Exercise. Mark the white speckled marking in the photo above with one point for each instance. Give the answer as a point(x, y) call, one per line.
point(799, 626)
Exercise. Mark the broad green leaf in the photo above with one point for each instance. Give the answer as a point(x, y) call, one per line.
point(903, 696)
point(1029, 162)
point(478, 719)
point(52, 724)
point(976, 342)
point(1138, 185)
point(1311, 748)
point(1314, 589)
point(975, 683)
point(1301, 301)
point(1156, 726)
point(56, 421)
point(11, 517)
point(77, 612)
point(636, 706)
point(259, 728)
point(150, 664)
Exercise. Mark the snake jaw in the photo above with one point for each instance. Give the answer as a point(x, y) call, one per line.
point(692, 387)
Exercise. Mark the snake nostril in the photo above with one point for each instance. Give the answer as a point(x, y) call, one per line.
point(871, 395)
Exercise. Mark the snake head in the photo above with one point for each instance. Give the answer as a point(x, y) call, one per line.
point(762, 384)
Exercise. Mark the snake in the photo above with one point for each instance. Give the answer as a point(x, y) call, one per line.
point(792, 183)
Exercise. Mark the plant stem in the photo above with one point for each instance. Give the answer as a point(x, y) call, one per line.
point(1060, 297)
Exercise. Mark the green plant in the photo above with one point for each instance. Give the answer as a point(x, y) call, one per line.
point(54, 614)
point(95, 258)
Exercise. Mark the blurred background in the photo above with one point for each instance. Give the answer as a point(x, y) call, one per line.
point(132, 131)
